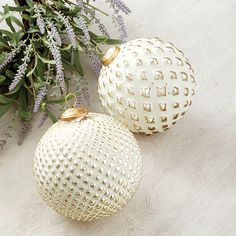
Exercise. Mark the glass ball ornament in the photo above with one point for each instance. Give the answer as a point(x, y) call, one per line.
point(147, 84)
point(87, 165)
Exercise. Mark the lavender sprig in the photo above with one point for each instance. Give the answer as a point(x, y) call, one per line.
point(119, 21)
point(40, 21)
point(119, 5)
point(102, 27)
point(55, 34)
point(5, 136)
point(25, 128)
point(39, 98)
point(10, 56)
point(95, 61)
point(69, 30)
point(80, 4)
point(22, 68)
point(72, 58)
point(45, 115)
point(54, 49)
point(83, 92)
point(84, 27)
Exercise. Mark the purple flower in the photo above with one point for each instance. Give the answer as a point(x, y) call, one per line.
point(80, 4)
point(45, 115)
point(84, 27)
point(39, 98)
point(55, 34)
point(119, 5)
point(118, 19)
point(22, 68)
point(72, 58)
point(82, 90)
point(25, 128)
point(54, 49)
point(69, 30)
point(95, 61)
point(10, 56)
point(40, 21)
point(102, 27)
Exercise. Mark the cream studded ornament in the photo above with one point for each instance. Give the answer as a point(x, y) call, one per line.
point(87, 165)
point(147, 84)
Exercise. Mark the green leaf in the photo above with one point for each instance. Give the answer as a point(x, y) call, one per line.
point(32, 30)
point(22, 105)
point(17, 21)
point(4, 108)
point(10, 74)
point(25, 115)
point(2, 78)
point(18, 9)
point(77, 63)
point(46, 60)
point(35, 65)
point(19, 35)
point(74, 12)
point(7, 33)
point(3, 40)
point(25, 16)
point(59, 101)
point(51, 115)
point(30, 3)
point(5, 100)
point(104, 39)
point(8, 20)
point(67, 47)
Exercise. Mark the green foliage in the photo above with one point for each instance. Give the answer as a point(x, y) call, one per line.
point(43, 66)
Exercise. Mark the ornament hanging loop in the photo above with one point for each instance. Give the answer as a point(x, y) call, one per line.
point(73, 112)
point(67, 98)
point(110, 55)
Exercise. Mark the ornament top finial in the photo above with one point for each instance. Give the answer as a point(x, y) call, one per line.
point(73, 112)
point(110, 55)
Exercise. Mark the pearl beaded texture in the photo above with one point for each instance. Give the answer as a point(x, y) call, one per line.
point(87, 168)
point(148, 85)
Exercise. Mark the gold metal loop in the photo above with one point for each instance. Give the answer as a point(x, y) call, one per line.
point(110, 55)
point(67, 99)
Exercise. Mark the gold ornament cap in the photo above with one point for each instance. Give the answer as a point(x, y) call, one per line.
point(73, 112)
point(110, 55)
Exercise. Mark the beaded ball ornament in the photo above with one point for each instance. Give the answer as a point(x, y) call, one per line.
point(87, 167)
point(147, 84)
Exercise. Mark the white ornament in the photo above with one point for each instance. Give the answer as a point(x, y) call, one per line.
point(88, 167)
point(147, 84)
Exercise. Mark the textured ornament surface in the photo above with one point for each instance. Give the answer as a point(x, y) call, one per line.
point(148, 87)
point(88, 168)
